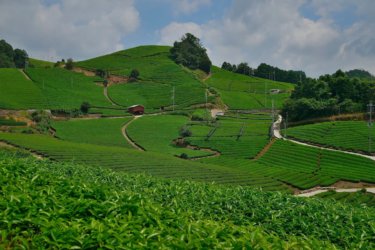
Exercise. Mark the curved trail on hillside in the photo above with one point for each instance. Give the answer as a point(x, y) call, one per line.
point(317, 190)
point(277, 134)
point(105, 92)
point(128, 139)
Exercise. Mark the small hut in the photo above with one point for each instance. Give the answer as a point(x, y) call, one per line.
point(136, 109)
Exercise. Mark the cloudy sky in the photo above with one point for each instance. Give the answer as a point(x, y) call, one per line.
point(317, 36)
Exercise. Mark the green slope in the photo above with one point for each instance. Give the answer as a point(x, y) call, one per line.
point(65, 89)
point(105, 132)
point(245, 92)
point(17, 92)
point(71, 206)
point(158, 74)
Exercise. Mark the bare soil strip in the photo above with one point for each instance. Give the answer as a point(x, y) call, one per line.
point(128, 139)
point(265, 149)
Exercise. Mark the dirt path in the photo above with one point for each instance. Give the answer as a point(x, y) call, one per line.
point(314, 192)
point(25, 75)
point(265, 149)
point(277, 134)
point(105, 92)
point(4, 144)
point(128, 139)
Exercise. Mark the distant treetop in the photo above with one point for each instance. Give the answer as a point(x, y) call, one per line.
point(190, 53)
point(359, 73)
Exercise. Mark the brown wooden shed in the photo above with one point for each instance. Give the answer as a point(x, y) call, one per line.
point(136, 109)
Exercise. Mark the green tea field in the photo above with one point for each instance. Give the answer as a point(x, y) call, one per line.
point(335, 134)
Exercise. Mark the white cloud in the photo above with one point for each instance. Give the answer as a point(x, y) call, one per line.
point(174, 31)
point(188, 6)
point(277, 33)
point(69, 28)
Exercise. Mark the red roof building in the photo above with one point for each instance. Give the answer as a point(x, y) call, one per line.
point(136, 109)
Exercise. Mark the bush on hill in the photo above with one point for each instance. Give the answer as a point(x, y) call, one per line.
point(190, 53)
point(134, 74)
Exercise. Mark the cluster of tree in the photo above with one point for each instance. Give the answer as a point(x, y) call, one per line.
point(329, 95)
point(266, 71)
point(190, 53)
point(10, 58)
point(242, 68)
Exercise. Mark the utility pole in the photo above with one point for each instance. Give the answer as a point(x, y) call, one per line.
point(371, 106)
point(173, 96)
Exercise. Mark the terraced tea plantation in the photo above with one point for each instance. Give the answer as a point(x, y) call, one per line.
point(96, 131)
point(157, 133)
point(64, 89)
point(130, 160)
point(232, 137)
point(347, 135)
point(128, 211)
point(17, 92)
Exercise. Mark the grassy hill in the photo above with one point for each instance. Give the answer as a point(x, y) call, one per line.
point(71, 206)
point(245, 92)
point(159, 74)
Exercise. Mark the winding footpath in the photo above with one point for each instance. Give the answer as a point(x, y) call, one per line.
point(125, 134)
point(317, 190)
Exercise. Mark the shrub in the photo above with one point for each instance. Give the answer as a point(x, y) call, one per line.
point(185, 132)
point(184, 156)
point(134, 74)
point(85, 106)
point(69, 64)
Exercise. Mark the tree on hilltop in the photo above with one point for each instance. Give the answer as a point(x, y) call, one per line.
point(10, 58)
point(190, 53)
